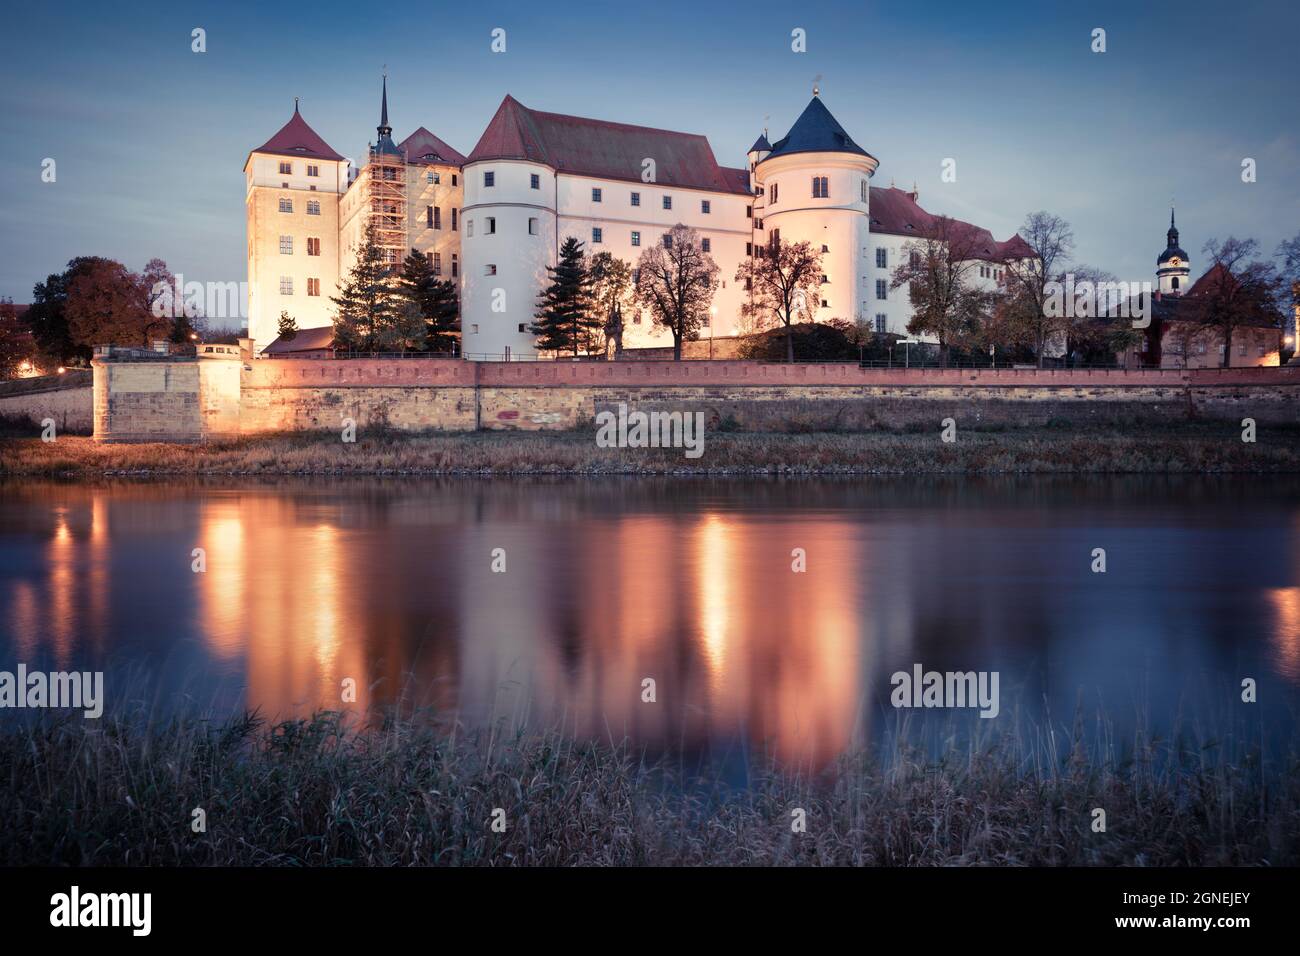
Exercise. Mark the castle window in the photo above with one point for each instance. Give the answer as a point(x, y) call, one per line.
point(825, 248)
point(489, 179)
point(286, 205)
point(668, 240)
point(437, 263)
point(491, 225)
point(437, 217)
point(453, 220)
point(313, 207)
point(824, 279)
point(864, 190)
point(286, 245)
point(453, 179)
point(882, 289)
point(636, 199)
point(390, 173)
point(880, 322)
point(455, 265)
point(668, 202)
point(490, 269)
point(597, 234)
point(535, 181)
point(749, 248)
point(1175, 282)
point(821, 187)
point(705, 206)
point(636, 238)
point(469, 228)
point(532, 225)
point(313, 287)
point(776, 192)
point(286, 285)
point(706, 245)
point(313, 170)
point(428, 217)
point(313, 246)
point(431, 177)
point(523, 326)
point(286, 169)
point(474, 328)
point(595, 194)
point(749, 212)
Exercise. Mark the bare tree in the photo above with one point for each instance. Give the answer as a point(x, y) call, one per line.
point(782, 279)
point(675, 281)
point(1238, 289)
point(611, 288)
point(1027, 286)
point(938, 269)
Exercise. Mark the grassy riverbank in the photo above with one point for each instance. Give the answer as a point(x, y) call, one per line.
point(1174, 448)
point(314, 793)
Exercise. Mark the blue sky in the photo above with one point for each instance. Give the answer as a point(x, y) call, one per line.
point(150, 138)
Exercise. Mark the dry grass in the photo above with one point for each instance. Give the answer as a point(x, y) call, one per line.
point(1189, 448)
point(315, 792)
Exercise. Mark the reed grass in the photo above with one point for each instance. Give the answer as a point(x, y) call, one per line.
point(1175, 448)
point(327, 792)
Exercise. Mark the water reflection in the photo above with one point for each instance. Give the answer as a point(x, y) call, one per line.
point(686, 583)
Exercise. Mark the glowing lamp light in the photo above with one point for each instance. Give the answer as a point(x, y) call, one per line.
point(62, 369)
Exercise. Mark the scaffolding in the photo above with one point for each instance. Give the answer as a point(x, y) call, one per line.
point(386, 196)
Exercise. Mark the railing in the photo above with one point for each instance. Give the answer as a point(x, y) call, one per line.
point(395, 355)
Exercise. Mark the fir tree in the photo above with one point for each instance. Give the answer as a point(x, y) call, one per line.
point(565, 317)
point(288, 327)
point(370, 313)
point(434, 301)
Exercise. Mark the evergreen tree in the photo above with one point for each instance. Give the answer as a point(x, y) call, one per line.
point(565, 316)
point(370, 313)
point(434, 301)
point(288, 326)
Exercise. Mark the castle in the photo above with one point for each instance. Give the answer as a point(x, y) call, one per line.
point(494, 220)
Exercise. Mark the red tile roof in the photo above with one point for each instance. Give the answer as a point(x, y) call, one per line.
point(604, 150)
point(895, 212)
point(306, 340)
point(296, 138)
point(421, 145)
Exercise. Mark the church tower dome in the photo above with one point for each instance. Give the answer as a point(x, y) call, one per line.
point(1173, 268)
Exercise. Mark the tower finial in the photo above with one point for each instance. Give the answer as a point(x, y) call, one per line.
point(817, 80)
point(295, 104)
point(383, 110)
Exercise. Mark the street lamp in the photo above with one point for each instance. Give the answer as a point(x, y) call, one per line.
point(713, 315)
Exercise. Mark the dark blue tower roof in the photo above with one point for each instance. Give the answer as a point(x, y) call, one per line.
point(1173, 249)
point(816, 131)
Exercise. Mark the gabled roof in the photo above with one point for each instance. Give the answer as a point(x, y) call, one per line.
point(761, 144)
point(816, 131)
point(306, 340)
point(604, 150)
point(896, 212)
point(425, 148)
point(296, 138)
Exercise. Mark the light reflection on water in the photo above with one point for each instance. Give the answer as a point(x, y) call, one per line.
point(686, 582)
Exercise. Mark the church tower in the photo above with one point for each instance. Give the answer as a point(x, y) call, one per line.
point(1173, 268)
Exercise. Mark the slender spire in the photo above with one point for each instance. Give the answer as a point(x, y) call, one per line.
point(295, 104)
point(384, 128)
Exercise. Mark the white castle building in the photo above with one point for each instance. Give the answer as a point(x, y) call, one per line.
point(494, 220)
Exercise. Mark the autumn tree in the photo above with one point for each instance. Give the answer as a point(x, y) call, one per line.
point(107, 304)
point(1238, 289)
point(939, 268)
point(611, 289)
point(370, 312)
point(675, 281)
point(782, 278)
point(564, 318)
point(1028, 287)
point(16, 345)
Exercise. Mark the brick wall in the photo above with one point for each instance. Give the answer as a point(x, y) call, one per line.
point(416, 395)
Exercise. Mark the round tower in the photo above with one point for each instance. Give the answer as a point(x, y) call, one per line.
point(508, 237)
point(817, 187)
point(1173, 269)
